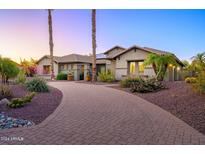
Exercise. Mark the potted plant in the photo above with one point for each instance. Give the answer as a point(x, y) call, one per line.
point(70, 76)
point(88, 78)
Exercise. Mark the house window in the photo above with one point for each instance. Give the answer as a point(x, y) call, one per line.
point(61, 67)
point(46, 69)
point(132, 67)
point(141, 67)
point(71, 66)
point(64, 67)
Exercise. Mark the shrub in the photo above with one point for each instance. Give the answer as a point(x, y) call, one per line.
point(199, 85)
point(28, 98)
point(21, 78)
point(144, 86)
point(190, 80)
point(126, 83)
point(29, 66)
point(37, 85)
point(5, 91)
point(106, 76)
point(20, 102)
point(61, 76)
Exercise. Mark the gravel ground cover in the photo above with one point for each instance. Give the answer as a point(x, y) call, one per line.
point(41, 106)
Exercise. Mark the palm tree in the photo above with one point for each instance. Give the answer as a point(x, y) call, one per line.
point(50, 30)
point(160, 64)
point(199, 61)
point(200, 57)
point(94, 77)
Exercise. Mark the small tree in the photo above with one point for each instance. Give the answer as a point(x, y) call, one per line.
point(8, 69)
point(198, 64)
point(29, 67)
point(160, 64)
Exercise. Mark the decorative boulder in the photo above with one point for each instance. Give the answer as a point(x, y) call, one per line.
point(4, 101)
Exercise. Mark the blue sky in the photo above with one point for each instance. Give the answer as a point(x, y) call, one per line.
point(24, 33)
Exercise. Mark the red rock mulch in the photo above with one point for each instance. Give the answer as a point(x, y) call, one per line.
point(180, 100)
point(41, 106)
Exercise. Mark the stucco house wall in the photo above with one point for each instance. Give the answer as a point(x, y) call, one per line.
point(46, 61)
point(116, 59)
point(113, 52)
point(132, 55)
point(110, 65)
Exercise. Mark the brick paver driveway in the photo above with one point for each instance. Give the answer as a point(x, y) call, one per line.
point(96, 114)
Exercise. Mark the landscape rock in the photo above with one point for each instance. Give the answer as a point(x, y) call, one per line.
point(4, 101)
point(9, 122)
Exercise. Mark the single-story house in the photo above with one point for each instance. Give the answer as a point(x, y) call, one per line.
point(122, 62)
point(129, 62)
point(78, 65)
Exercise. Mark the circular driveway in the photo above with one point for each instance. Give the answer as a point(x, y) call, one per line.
point(96, 114)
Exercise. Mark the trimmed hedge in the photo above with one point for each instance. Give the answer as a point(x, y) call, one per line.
point(61, 76)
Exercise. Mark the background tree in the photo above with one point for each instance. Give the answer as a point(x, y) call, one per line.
point(187, 69)
point(160, 64)
point(8, 69)
point(199, 61)
point(29, 67)
point(50, 30)
point(94, 77)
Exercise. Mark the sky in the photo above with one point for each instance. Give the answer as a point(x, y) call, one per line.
point(24, 33)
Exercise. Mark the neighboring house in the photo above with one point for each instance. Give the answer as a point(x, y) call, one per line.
point(78, 65)
point(120, 61)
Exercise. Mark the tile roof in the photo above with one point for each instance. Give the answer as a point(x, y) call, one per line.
point(70, 58)
point(75, 58)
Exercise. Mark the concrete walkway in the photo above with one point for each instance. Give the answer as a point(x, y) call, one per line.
point(96, 114)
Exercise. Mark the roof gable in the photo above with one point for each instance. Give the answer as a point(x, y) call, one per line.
point(115, 47)
point(150, 50)
point(55, 58)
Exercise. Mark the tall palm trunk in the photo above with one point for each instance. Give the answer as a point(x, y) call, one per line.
point(51, 42)
point(94, 77)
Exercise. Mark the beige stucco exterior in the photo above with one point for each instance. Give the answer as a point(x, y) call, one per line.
point(75, 68)
point(118, 60)
point(114, 52)
point(46, 62)
point(111, 66)
point(122, 68)
point(120, 64)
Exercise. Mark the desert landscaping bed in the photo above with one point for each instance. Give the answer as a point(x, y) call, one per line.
point(180, 100)
point(41, 106)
